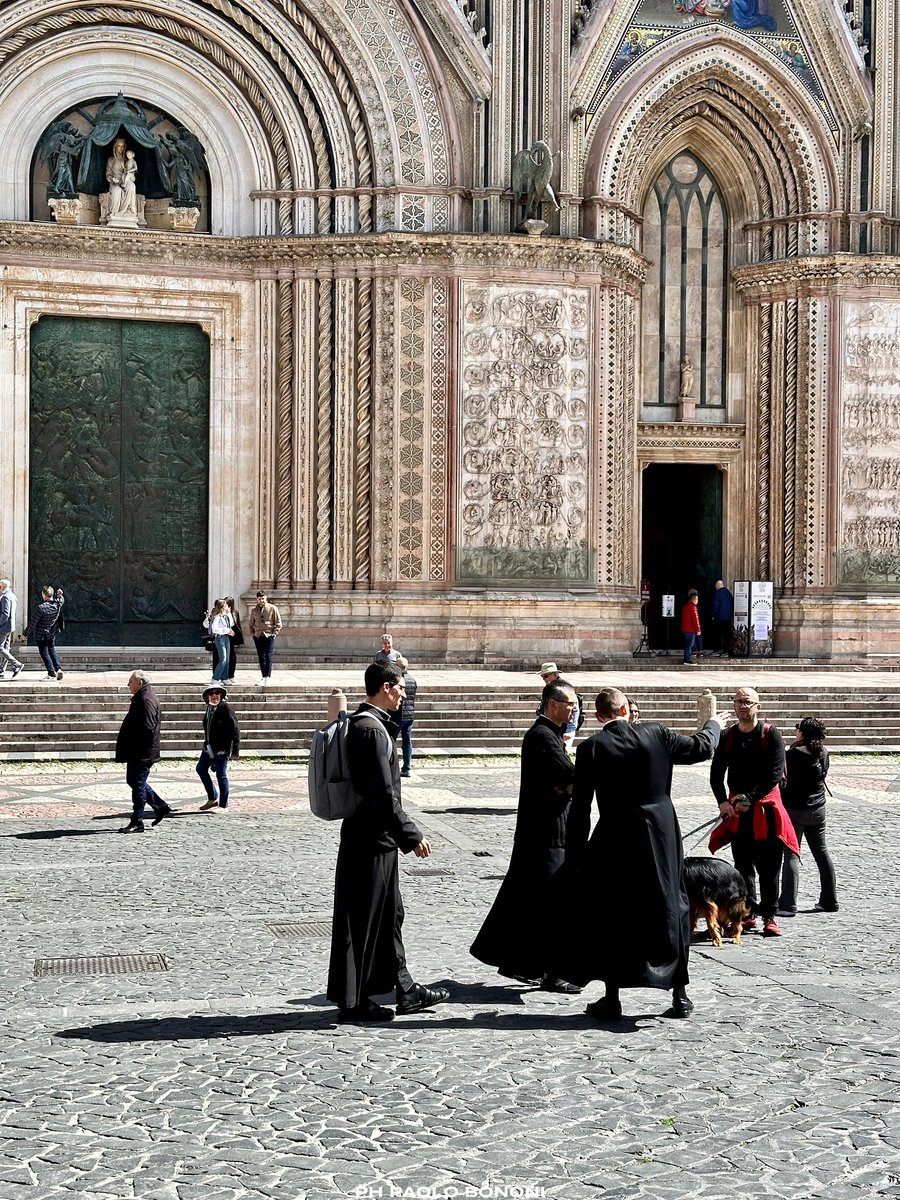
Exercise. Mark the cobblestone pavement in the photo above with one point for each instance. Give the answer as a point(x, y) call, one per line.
point(224, 1075)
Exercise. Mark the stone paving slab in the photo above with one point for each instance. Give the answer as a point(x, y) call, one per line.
point(226, 1075)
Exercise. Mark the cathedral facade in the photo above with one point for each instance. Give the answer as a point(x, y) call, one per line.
point(456, 317)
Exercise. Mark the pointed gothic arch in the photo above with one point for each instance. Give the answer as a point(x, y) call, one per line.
point(726, 105)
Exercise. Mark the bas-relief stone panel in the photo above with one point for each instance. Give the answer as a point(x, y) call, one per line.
point(524, 437)
point(869, 539)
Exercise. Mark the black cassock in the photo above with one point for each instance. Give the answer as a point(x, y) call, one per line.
point(517, 933)
point(631, 925)
point(367, 954)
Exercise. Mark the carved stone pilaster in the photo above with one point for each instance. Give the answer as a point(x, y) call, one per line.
point(343, 435)
point(363, 465)
point(322, 576)
point(284, 434)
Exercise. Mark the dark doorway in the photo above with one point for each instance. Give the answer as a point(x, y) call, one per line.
point(681, 542)
point(118, 477)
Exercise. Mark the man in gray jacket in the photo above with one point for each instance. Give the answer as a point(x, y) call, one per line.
point(8, 604)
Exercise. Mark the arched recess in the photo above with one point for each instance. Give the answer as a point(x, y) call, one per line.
point(301, 88)
point(722, 102)
point(51, 78)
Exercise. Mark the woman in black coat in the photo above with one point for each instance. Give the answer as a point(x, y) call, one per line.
point(803, 793)
point(237, 638)
point(221, 741)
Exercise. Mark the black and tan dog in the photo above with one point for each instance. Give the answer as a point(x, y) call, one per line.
point(717, 893)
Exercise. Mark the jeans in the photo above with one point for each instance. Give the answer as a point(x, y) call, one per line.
point(47, 650)
point(220, 670)
point(813, 825)
point(141, 792)
point(265, 648)
point(689, 639)
point(9, 659)
point(754, 857)
point(406, 742)
point(220, 766)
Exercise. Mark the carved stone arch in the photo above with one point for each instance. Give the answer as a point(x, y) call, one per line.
point(415, 143)
point(731, 154)
point(50, 77)
point(725, 85)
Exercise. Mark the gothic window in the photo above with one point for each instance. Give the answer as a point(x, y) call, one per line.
point(685, 310)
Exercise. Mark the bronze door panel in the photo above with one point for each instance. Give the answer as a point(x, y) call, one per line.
point(118, 481)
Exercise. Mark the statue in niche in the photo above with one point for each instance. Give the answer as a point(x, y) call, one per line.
point(184, 155)
point(121, 175)
point(59, 147)
point(531, 171)
point(122, 120)
point(686, 385)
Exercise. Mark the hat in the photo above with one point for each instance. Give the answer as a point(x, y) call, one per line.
point(215, 687)
point(549, 669)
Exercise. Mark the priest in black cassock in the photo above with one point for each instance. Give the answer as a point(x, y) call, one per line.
point(517, 934)
point(367, 953)
point(635, 917)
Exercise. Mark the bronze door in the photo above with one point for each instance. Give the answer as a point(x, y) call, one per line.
point(119, 478)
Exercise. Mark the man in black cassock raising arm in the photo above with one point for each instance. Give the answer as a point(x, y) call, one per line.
point(517, 934)
point(630, 872)
point(367, 954)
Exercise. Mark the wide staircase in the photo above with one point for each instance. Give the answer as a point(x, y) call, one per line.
point(44, 720)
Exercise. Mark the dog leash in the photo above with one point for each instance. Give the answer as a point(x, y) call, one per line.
point(699, 829)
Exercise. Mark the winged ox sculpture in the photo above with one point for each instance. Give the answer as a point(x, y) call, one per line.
point(531, 172)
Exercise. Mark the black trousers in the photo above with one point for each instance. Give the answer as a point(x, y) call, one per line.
point(759, 859)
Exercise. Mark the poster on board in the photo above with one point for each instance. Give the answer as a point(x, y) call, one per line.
point(740, 637)
point(762, 617)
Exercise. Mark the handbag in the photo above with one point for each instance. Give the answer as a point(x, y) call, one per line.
point(209, 643)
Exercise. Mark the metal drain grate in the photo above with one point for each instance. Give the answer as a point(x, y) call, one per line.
point(100, 964)
point(421, 872)
point(302, 929)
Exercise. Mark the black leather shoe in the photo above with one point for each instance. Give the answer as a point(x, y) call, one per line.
point(605, 1010)
point(166, 812)
point(550, 984)
point(364, 1014)
point(419, 998)
point(133, 827)
point(682, 1007)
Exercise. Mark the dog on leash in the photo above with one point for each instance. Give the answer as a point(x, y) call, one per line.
point(717, 893)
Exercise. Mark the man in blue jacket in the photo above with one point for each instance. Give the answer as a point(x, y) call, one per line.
point(722, 614)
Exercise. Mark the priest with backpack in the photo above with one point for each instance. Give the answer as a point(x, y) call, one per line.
point(367, 953)
point(753, 817)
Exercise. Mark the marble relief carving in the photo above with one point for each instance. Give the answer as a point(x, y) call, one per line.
point(869, 546)
point(524, 435)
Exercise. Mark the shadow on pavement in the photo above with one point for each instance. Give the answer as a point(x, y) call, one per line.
point(476, 811)
point(207, 1028)
point(148, 816)
point(43, 835)
point(184, 1029)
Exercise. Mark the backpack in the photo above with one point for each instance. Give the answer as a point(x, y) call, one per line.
point(332, 795)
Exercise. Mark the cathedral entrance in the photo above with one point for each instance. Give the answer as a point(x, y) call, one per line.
point(681, 541)
point(119, 434)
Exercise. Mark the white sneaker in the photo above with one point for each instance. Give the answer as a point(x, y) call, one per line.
point(267, 681)
point(260, 681)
